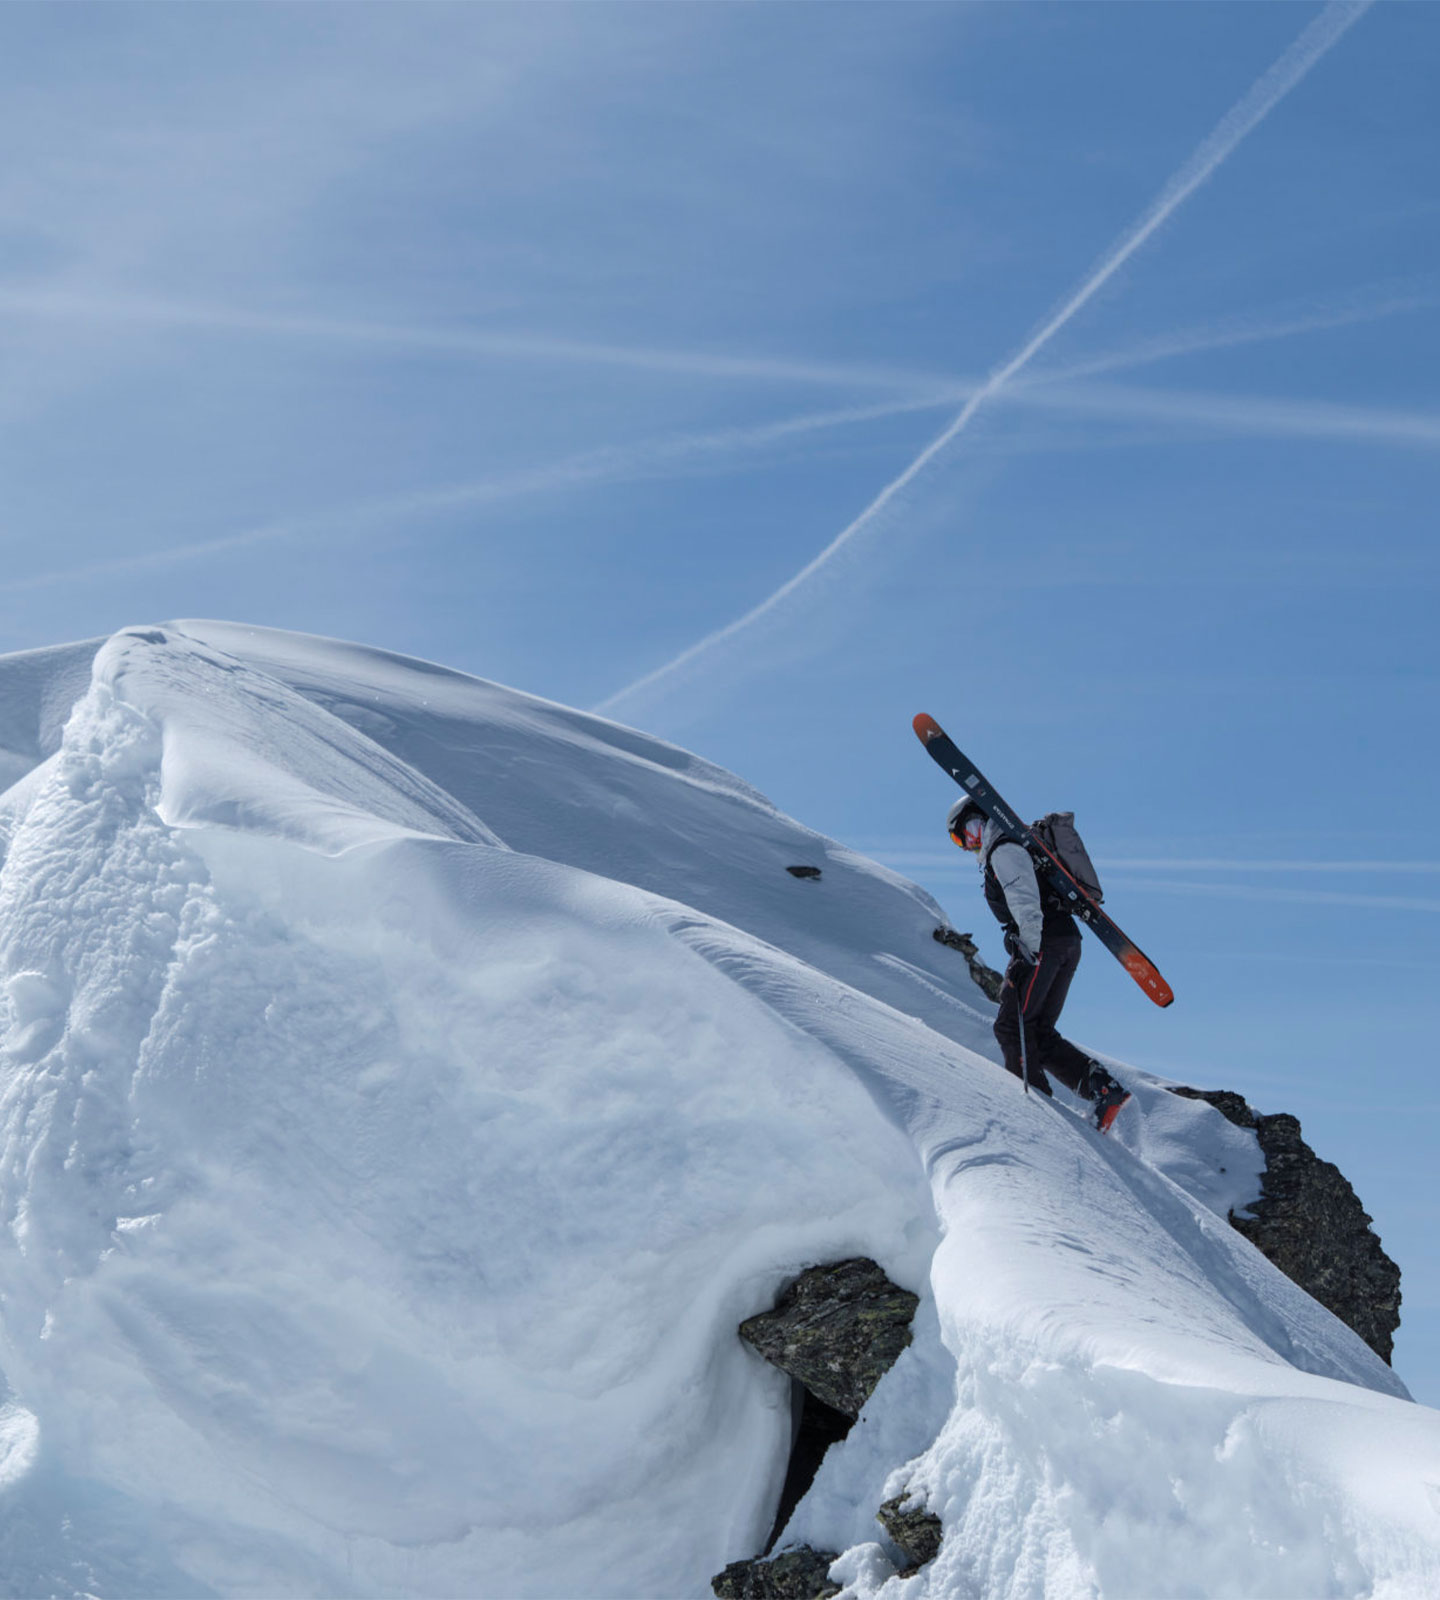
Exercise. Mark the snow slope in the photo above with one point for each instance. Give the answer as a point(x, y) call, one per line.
point(407, 1087)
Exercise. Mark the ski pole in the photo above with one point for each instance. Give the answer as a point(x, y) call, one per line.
point(1024, 1054)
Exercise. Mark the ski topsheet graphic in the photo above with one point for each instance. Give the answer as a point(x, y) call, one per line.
point(1130, 956)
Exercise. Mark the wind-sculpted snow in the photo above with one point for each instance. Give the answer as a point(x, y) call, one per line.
point(409, 1085)
point(40, 690)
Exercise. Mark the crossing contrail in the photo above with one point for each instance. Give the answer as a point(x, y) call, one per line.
point(1250, 328)
point(1228, 413)
point(613, 464)
point(1264, 95)
point(451, 341)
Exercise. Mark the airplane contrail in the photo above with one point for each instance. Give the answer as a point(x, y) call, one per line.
point(677, 453)
point(1249, 328)
point(903, 858)
point(657, 457)
point(609, 464)
point(1228, 413)
point(1237, 329)
point(1312, 897)
point(1264, 95)
point(457, 342)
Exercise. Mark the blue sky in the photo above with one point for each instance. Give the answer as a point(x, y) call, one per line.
point(549, 341)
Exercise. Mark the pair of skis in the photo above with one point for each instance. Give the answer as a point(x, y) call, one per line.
point(1047, 865)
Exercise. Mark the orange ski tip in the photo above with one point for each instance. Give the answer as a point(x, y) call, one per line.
point(1143, 971)
point(926, 727)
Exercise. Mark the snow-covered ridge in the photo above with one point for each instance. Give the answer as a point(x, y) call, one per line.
point(409, 1084)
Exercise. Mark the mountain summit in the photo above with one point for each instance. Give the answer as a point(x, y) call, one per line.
point(408, 1087)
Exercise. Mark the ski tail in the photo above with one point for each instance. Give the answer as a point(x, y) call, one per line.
point(1147, 975)
point(1111, 935)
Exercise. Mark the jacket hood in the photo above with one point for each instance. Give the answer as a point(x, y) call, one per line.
point(994, 834)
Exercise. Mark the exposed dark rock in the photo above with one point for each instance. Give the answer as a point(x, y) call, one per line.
point(986, 978)
point(819, 1427)
point(803, 872)
point(914, 1529)
point(1310, 1223)
point(798, 1574)
point(838, 1329)
point(1233, 1107)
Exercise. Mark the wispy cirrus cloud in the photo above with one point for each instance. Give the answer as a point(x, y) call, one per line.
point(1264, 95)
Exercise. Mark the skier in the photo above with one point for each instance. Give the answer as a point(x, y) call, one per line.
point(1044, 948)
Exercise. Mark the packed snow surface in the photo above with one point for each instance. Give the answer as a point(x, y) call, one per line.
point(409, 1084)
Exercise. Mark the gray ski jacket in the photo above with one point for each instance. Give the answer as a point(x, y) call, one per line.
point(1015, 874)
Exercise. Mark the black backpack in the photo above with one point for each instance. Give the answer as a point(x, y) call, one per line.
point(1057, 832)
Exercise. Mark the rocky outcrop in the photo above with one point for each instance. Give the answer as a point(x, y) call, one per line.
point(1310, 1223)
point(915, 1531)
point(837, 1329)
point(799, 1574)
point(987, 980)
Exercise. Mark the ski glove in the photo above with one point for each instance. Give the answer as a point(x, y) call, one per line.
point(1017, 947)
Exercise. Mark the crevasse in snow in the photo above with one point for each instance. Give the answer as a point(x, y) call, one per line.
point(409, 1084)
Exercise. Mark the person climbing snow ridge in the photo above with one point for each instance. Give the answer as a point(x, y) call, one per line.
point(1044, 948)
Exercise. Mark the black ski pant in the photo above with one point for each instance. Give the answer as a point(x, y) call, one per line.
point(1033, 997)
